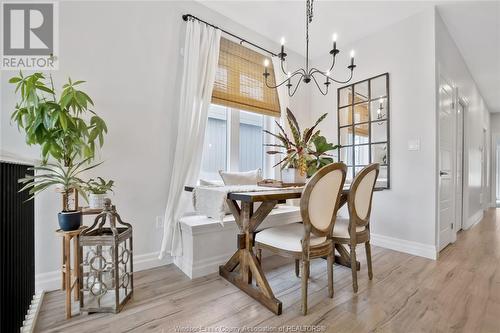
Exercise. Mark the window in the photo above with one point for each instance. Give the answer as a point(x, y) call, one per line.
point(242, 107)
point(251, 152)
point(363, 126)
point(215, 144)
point(234, 142)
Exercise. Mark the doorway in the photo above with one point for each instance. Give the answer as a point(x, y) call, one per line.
point(451, 162)
point(447, 166)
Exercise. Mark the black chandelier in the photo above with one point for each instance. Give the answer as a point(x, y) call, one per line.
point(308, 74)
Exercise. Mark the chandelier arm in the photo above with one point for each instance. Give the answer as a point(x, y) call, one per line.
point(282, 67)
point(314, 71)
point(334, 80)
point(292, 74)
point(285, 81)
point(296, 87)
point(319, 88)
point(341, 82)
point(333, 63)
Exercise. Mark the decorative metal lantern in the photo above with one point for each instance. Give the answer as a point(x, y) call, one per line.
point(106, 269)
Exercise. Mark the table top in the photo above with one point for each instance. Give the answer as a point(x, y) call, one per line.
point(267, 195)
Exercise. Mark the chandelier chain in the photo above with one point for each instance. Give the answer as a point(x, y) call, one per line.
point(307, 74)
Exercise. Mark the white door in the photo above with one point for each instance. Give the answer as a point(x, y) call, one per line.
point(446, 167)
point(459, 167)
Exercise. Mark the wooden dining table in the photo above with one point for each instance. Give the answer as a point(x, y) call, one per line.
point(241, 205)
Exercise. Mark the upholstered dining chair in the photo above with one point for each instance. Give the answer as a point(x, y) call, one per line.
point(356, 229)
point(311, 239)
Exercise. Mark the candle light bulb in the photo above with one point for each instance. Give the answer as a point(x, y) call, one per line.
point(352, 53)
point(266, 62)
point(327, 73)
point(282, 40)
point(334, 37)
point(289, 75)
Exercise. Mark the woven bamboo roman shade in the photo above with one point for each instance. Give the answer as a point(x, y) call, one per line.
point(239, 82)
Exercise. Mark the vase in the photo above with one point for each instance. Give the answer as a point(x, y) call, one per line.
point(71, 220)
point(96, 201)
point(292, 175)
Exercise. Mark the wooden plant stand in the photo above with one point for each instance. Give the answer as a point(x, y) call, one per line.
point(69, 276)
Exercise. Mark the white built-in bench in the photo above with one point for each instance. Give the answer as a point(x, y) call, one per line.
point(206, 244)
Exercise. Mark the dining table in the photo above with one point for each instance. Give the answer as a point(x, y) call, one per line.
point(241, 205)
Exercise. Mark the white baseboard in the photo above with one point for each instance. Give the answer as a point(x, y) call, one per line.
point(52, 280)
point(474, 219)
point(406, 246)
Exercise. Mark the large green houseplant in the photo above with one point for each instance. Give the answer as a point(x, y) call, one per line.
point(304, 153)
point(65, 128)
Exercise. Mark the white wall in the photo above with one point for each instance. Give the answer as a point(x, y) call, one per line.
point(452, 67)
point(129, 54)
point(405, 214)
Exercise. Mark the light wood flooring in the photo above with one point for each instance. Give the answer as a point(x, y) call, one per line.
point(458, 293)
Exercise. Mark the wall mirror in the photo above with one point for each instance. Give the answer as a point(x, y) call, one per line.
point(363, 126)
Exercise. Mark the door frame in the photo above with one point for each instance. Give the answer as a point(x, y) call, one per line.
point(460, 101)
point(495, 137)
point(445, 84)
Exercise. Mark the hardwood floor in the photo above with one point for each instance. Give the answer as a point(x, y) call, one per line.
point(458, 293)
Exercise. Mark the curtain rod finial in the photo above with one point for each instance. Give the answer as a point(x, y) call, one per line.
point(185, 17)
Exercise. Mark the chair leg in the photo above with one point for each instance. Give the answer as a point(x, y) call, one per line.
point(305, 276)
point(297, 269)
point(353, 268)
point(369, 259)
point(330, 273)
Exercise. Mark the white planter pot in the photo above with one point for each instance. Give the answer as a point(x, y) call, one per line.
point(96, 201)
point(292, 175)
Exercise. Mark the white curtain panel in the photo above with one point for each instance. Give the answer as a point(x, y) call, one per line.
point(201, 55)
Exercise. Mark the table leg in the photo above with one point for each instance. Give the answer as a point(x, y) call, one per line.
point(344, 258)
point(67, 250)
point(76, 269)
point(245, 258)
point(63, 269)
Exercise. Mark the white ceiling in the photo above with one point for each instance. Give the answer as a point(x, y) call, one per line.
point(473, 25)
point(475, 28)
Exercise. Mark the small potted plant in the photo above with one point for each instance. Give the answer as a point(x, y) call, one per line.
point(97, 190)
point(67, 180)
point(301, 158)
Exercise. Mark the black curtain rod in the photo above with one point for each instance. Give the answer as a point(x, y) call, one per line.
point(186, 17)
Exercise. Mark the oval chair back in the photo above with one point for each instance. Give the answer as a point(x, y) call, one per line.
point(321, 197)
point(360, 196)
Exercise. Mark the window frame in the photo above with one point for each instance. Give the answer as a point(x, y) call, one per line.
point(233, 141)
point(352, 103)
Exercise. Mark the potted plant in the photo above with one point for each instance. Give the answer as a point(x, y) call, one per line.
point(319, 157)
point(64, 126)
point(67, 180)
point(97, 190)
point(305, 153)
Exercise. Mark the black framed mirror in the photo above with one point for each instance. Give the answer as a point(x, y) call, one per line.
point(363, 124)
